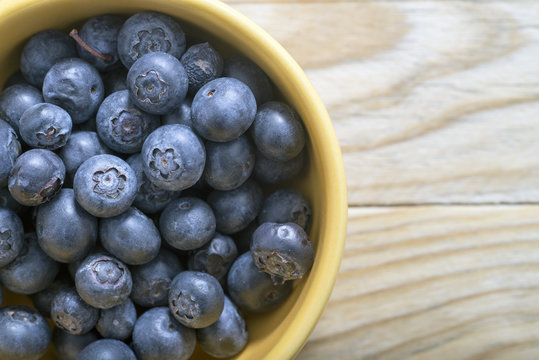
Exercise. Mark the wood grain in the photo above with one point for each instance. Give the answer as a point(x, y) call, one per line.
point(435, 282)
point(432, 101)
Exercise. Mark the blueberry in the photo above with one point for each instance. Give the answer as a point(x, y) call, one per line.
point(76, 86)
point(277, 131)
point(216, 257)
point(11, 236)
point(42, 300)
point(286, 205)
point(157, 83)
point(272, 171)
point(158, 336)
point(151, 281)
point(105, 185)
point(25, 333)
point(229, 164)
point(227, 336)
point(243, 69)
point(121, 125)
point(254, 290)
point(107, 349)
point(6, 200)
point(31, 271)
point(202, 64)
point(15, 100)
point(37, 176)
point(180, 115)
point(235, 209)
point(68, 346)
point(131, 236)
point(45, 126)
point(71, 314)
point(147, 32)
point(88, 125)
point(81, 146)
point(150, 198)
point(101, 34)
point(103, 281)
point(114, 80)
point(73, 237)
point(10, 149)
point(195, 299)
point(117, 322)
point(223, 109)
point(173, 157)
point(187, 223)
point(282, 250)
point(42, 51)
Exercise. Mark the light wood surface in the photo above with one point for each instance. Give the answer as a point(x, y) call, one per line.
point(436, 107)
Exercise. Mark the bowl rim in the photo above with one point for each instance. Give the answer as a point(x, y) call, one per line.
point(271, 55)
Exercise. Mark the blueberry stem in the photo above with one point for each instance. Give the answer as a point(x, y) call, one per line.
point(75, 35)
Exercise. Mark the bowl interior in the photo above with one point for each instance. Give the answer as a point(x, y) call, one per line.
point(281, 333)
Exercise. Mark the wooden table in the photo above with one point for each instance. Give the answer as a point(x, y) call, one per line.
point(436, 106)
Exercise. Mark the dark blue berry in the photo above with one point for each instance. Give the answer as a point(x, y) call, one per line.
point(107, 349)
point(286, 205)
point(42, 51)
point(25, 333)
point(147, 32)
point(180, 115)
point(223, 109)
point(227, 336)
point(151, 281)
point(15, 100)
point(229, 164)
point(42, 300)
point(16, 77)
point(215, 258)
point(45, 126)
point(68, 346)
point(202, 64)
point(195, 299)
point(150, 198)
point(10, 149)
point(36, 176)
point(101, 34)
point(157, 83)
point(121, 125)
point(277, 131)
point(76, 86)
point(71, 314)
point(31, 271)
point(11, 236)
point(173, 157)
point(81, 146)
point(131, 236)
point(105, 185)
point(103, 281)
point(284, 251)
point(252, 289)
point(117, 322)
point(114, 80)
point(243, 69)
point(65, 231)
point(187, 223)
point(272, 171)
point(235, 209)
point(158, 336)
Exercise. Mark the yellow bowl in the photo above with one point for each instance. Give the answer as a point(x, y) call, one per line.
point(279, 334)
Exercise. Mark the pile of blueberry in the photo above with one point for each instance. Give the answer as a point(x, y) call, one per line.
point(132, 210)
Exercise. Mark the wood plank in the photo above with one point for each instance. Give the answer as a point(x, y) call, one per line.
point(432, 101)
point(435, 282)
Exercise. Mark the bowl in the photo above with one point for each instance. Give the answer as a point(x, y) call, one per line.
point(279, 334)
